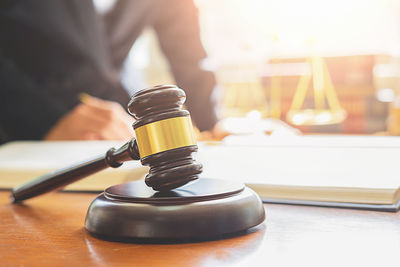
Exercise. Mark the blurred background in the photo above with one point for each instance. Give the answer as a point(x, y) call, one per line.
point(315, 66)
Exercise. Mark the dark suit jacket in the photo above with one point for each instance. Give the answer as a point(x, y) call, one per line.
point(52, 50)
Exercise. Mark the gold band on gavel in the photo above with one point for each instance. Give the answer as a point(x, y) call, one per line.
point(164, 135)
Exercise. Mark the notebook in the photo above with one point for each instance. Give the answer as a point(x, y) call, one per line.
point(339, 171)
point(22, 161)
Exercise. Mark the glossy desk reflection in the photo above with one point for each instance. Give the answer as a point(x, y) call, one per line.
point(49, 231)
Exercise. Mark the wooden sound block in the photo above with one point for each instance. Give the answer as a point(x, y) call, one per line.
point(206, 208)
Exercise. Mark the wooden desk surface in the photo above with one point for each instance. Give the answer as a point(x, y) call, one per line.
point(49, 231)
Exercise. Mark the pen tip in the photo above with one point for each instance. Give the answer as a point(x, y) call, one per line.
point(83, 97)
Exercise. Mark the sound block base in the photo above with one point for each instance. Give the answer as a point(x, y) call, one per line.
point(204, 209)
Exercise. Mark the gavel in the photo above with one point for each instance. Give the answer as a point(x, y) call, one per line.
point(164, 141)
point(167, 205)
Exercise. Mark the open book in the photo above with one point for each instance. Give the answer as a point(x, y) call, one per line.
point(339, 171)
point(23, 161)
point(350, 171)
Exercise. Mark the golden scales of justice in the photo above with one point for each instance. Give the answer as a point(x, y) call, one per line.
point(244, 97)
point(325, 112)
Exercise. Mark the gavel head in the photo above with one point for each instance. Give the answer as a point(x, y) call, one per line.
point(165, 136)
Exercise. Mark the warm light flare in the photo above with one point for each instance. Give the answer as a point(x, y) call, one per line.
point(254, 29)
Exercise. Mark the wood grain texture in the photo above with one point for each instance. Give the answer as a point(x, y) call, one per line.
point(48, 231)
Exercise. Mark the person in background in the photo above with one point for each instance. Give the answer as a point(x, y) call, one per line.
point(52, 51)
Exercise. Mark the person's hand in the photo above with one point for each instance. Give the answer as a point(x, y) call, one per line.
point(94, 119)
point(217, 133)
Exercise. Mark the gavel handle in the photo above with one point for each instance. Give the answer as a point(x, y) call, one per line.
point(53, 180)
